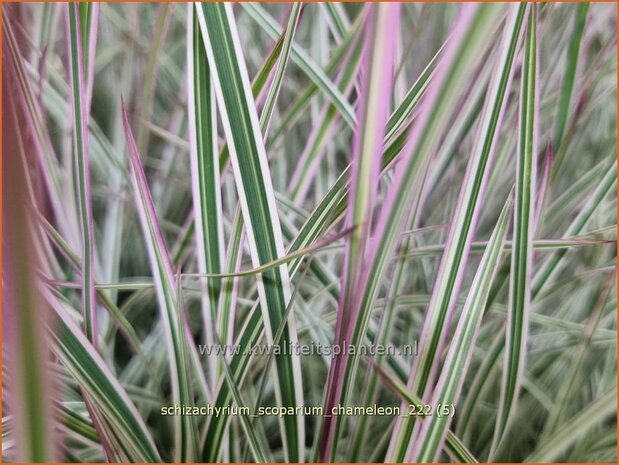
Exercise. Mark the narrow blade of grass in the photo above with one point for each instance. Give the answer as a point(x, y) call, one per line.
point(276, 85)
point(337, 18)
point(297, 254)
point(205, 177)
point(172, 316)
point(522, 251)
point(80, 147)
point(569, 77)
point(257, 200)
point(432, 432)
point(300, 104)
point(89, 21)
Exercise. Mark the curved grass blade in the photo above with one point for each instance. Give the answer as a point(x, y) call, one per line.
point(297, 254)
point(432, 432)
point(102, 388)
point(522, 251)
point(257, 200)
point(258, 85)
point(276, 85)
point(172, 316)
point(80, 148)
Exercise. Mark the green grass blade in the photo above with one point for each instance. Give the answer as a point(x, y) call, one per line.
point(229, 286)
point(205, 177)
point(80, 148)
point(257, 199)
point(296, 255)
point(570, 73)
point(296, 109)
point(89, 21)
point(310, 159)
point(304, 61)
point(432, 432)
point(276, 85)
point(337, 17)
point(522, 251)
